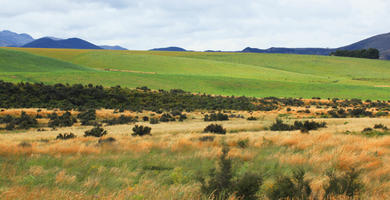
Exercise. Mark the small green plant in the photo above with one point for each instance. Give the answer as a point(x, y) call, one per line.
point(61, 121)
point(141, 130)
point(381, 126)
point(95, 132)
point(154, 121)
point(207, 138)
point(215, 128)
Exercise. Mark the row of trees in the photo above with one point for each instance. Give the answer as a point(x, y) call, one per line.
point(363, 53)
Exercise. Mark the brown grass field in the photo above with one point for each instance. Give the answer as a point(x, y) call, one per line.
point(163, 166)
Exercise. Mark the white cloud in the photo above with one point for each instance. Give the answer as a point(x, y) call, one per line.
point(200, 24)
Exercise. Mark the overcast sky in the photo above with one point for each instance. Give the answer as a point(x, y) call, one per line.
point(200, 24)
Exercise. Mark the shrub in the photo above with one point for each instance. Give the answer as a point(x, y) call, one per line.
point(25, 145)
point(145, 118)
point(305, 126)
point(182, 117)
point(120, 120)
point(247, 186)
point(215, 128)
point(216, 117)
point(380, 126)
point(167, 118)
point(141, 130)
point(344, 184)
point(220, 184)
point(381, 114)
point(65, 136)
point(251, 118)
point(95, 132)
point(154, 121)
point(22, 122)
point(87, 117)
point(61, 121)
point(294, 187)
point(280, 126)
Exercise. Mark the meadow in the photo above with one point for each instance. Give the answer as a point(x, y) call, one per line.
point(167, 164)
point(239, 74)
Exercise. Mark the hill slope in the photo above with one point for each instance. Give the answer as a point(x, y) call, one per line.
point(71, 43)
point(16, 61)
point(260, 75)
point(8, 38)
point(168, 49)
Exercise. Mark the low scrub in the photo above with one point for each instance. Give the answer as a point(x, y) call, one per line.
point(95, 132)
point(216, 117)
point(215, 128)
point(88, 117)
point(23, 122)
point(65, 136)
point(141, 130)
point(64, 120)
point(120, 120)
point(305, 126)
point(166, 117)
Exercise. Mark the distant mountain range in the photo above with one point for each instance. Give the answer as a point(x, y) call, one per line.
point(168, 49)
point(380, 42)
point(71, 43)
point(11, 39)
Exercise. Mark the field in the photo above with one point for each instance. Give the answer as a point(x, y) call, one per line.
point(341, 144)
point(258, 75)
point(34, 164)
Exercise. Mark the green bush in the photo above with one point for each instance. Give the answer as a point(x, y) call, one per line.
point(120, 120)
point(295, 187)
point(95, 132)
point(344, 184)
point(141, 130)
point(305, 126)
point(88, 117)
point(220, 183)
point(251, 118)
point(154, 121)
point(167, 118)
point(216, 117)
point(207, 138)
point(215, 128)
point(65, 136)
point(61, 121)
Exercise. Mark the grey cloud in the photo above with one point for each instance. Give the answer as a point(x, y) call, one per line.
point(200, 24)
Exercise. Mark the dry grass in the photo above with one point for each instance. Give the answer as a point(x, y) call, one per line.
point(319, 150)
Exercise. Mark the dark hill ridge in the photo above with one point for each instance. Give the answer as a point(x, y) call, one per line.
point(168, 49)
point(8, 38)
point(71, 43)
point(380, 42)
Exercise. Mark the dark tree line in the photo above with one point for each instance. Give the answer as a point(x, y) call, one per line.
point(80, 97)
point(363, 53)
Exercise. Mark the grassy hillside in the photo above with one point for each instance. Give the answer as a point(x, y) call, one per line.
point(16, 61)
point(216, 73)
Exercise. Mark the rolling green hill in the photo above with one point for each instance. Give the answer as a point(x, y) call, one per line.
point(237, 74)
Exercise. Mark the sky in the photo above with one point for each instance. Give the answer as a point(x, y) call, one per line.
point(200, 24)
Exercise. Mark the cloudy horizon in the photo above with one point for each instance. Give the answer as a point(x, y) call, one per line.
point(201, 24)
